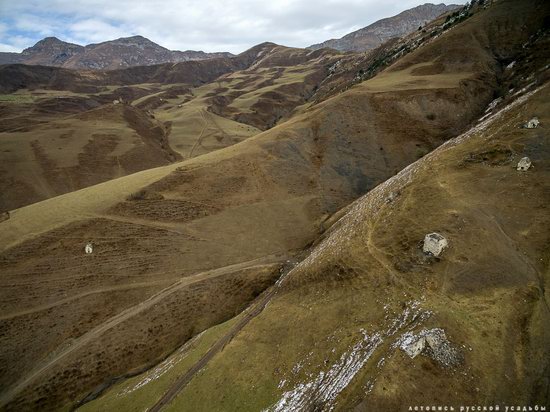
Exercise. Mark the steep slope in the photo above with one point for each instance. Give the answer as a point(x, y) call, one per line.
point(379, 32)
point(109, 55)
point(340, 328)
point(215, 230)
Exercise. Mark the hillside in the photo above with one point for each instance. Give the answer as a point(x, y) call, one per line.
point(198, 245)
point(83, 132)
point(375, 34)
point(108, 55)
point(338, 332)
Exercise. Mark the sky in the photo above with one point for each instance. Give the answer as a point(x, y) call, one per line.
point(208, 25)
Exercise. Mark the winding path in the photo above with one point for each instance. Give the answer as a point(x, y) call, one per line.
point(126, 314)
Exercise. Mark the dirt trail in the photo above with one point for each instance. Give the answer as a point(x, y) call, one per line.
point(167, 227)
point(79, 296)
point(201, 135)
point(217, 347)
point(78, 343)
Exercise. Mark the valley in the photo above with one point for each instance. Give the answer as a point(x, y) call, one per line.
point(257, 224)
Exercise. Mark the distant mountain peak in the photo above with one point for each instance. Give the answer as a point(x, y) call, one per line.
point(113, 54)
point(375, 34)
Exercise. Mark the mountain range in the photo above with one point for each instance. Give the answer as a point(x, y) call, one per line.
point(109, 55)
point(139, 51)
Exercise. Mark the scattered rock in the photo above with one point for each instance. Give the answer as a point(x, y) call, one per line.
point(432, 343)
point(524, 164)
point(493, 104)
point(532, 124)
point(434, 244)
point(88, 248)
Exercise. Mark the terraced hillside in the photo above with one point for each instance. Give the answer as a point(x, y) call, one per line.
point(186, 256)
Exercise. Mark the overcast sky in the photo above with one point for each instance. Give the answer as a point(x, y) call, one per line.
point(209, 25)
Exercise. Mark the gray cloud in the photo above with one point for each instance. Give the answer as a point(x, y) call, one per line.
point(209, 25)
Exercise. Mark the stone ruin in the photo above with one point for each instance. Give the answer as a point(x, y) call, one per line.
point(524, 164)
point(432, 343)
point(434, 244)
point(532, 124)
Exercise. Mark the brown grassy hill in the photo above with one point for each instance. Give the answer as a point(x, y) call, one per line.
point(78, 150)
point(180, 248)
point(190, 120)
point(14, 77)
point(331, 338)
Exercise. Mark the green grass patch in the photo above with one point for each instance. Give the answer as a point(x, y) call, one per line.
point(16, 98)
point(141, 392)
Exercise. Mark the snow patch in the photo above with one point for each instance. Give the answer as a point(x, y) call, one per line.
point(324, 389)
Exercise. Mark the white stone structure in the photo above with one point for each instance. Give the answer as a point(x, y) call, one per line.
point(434, 243)
point(524, 164)
point(533, 123)
point(88, 249)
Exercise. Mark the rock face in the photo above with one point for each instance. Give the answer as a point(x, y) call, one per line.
point(114, 54)
point(432, 343)
point(524, 164)
point(434, 244)
point(377, 33)
point(533, 123)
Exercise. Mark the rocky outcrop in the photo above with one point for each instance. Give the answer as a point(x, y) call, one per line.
point(432, 343)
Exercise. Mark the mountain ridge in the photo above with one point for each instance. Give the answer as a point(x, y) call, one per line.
point(108, 55)
point(373, 35)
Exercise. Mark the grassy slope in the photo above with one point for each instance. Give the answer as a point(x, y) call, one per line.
point(352, 279)
point(69, 152)
point(54, 142)
point(488, 291)
point(265, 196)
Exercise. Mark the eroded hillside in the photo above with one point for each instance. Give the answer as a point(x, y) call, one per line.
point(183, 247)
point(339, 329)
point(58, 141)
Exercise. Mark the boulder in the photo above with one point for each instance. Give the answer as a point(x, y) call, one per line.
point(524, 164)
point(88, 248)
point(434, 244)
